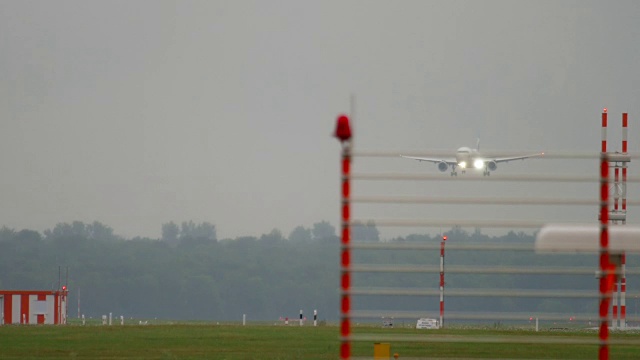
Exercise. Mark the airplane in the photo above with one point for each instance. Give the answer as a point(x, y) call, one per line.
point(467, 157)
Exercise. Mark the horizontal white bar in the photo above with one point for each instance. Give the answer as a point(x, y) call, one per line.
point(553, 155)
point(479, 177)
point(450, 246)
point(450, 223)
point(455, 315)
point(473, 200)
point(526, 293)
point(511, 270)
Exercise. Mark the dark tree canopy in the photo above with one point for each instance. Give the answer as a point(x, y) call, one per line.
point(323, 230)
point(188, 274)
point(300, 235)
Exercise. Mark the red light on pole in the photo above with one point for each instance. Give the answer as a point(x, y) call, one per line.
point(343, 129)
point(444, 237)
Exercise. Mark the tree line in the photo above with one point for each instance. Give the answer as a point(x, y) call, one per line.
point(189, 273)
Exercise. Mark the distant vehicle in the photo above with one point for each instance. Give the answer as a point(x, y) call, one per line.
point(387, 321)
point(425, 323)
point(467, 158)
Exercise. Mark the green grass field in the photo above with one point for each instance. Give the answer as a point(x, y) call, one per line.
point(207, 341)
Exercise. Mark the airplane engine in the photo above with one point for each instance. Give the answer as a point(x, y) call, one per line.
point(442, 166)
point(492, 166)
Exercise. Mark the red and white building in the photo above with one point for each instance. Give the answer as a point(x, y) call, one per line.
point(33, 307)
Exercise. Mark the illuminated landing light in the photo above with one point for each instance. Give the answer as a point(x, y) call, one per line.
point(463, 164)
point(604, 110)
point(478, 164)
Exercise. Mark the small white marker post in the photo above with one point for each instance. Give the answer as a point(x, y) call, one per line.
point(315, 317)
point(244, 319)
point(121, 320)
point(300, 317)
point(110, 319)
point(83, 321)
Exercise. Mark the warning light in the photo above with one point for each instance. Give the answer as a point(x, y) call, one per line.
point(531, 318)
point(343, 130)
point(444, 238)
point(604, 110)
point(64, 288)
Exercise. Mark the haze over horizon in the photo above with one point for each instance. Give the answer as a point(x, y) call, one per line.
point(139, 113)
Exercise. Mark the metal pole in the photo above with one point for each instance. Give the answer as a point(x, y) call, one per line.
point(444, 238)
point(343, 133)
point(605, 263)
point(66, 298)
point(623, 188)
point(614, 299)
point(616, 187)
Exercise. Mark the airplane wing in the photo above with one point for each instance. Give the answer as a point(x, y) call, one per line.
point(432, 160)
point(505, 159)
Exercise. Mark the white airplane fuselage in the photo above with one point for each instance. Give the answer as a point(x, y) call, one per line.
point(468, 158)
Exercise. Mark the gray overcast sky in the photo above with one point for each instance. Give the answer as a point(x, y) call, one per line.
point(136, 113)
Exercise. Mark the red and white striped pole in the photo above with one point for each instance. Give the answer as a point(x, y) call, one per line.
point(623, 279)
point(616, 187)
point(606, 278)
point(604, 132)
point(624, 165)
point(343, 133)
point(614, 300)
point(444, 238)
point(614, 295)
point(623, 293)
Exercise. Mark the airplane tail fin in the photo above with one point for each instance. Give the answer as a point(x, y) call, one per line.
point(478, 145)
